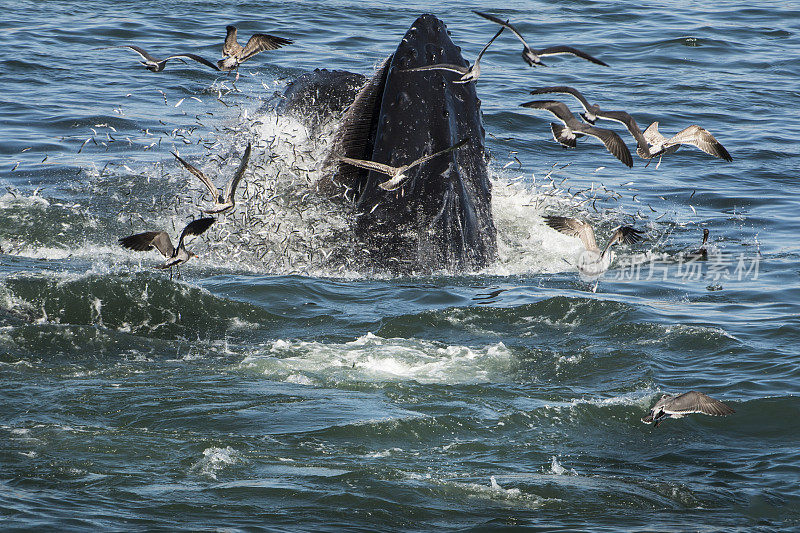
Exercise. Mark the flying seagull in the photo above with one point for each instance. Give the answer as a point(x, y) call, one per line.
point(573, 128)
point(157, 65)
point(592, 112)
point(670, 406)
point(694, 135)
point(233, 53)
point(225, 201)
point(533, 57)
point(468, 74)
point(397, 174)
point(142, 242)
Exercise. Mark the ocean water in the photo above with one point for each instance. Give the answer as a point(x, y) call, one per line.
point(277, 385)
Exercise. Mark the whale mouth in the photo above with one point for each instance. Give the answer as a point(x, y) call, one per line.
point(440, 217)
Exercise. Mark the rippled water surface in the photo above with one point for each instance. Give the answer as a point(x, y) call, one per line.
point(280, 385)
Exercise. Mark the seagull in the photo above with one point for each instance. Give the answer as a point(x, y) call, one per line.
point(592, 112)
point(533, 57)
point(468, 74)
point(142, 242)
point(694, 135)
point(578, 228)
point(593, 262)
point(670, 406)
point(397, 174)
point(233, 53)
point(575, 128)
point(226, 201)
point(157, 65)
point(700, 253)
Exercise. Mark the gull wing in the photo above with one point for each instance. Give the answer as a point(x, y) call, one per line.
point(652, 135)
point(627, 235)
point(628, 121)
point(697, 402)
point(496, 35)
point(137, 49)
point(441, 66)
point(142, 242)
point(574, 228)
point(195, 227)
point(611, 140)
point(560, 50)
point(437, 154)
point(370, 165)
point(563, 89)
point(194, 57)
point(504, 23)
point(197, 172)
point(230, 188)
point(559, 109)
point(230, 46)
point(260, 42)
point(702, 139)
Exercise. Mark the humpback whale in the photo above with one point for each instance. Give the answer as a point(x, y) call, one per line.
point(440, 217)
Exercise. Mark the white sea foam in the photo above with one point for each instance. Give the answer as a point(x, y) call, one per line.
point(375, 359)
point(214, 460)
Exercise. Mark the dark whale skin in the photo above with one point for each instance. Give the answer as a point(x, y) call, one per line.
point(441, 217)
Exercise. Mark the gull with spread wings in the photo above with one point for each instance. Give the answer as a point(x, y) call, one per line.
point(693, 135)
point(533, 57)
point(157, 65)
point(227, 200)
point(233, 53)
point(593, 262)
point(678, 406)
point(468, 74)
point(142, 242)
point(397, 174)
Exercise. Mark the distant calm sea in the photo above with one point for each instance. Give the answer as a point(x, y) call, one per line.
point(277, 386)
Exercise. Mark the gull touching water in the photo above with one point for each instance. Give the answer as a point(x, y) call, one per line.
point(670, 406)
point(573, 128)
point(225, 201)
point(142, 242)
point(157, 65)
point(468, 74)
point(533, 57)
point(592, 262)
point(233, 53)
point(397, 174)
point(702, 252)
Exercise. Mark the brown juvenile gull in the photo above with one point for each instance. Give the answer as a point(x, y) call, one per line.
point(233, 53)
point(157, 65)
point(592, 112)
point(573, 128)
point(694, 135)
point(397, 174)
point(531, 56)
point(225, 201)
point(670, 406)
point(142, 242)
point(468, 74)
